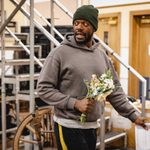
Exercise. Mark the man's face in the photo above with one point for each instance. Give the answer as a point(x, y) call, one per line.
point(83, 31)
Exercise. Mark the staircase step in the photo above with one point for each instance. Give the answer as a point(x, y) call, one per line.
point(37, 48)
point(19, 48)
point(112, 136)
point(18, 62)
point(21, 36)
point(25, 95)
point(13, 79)
point(106, 118)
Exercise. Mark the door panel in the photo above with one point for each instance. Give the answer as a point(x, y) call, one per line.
point(140, 58)
point(144, 57)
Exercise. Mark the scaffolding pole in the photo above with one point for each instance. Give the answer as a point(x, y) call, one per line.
point(3, 91)
point(32, 98)
point(52, 22)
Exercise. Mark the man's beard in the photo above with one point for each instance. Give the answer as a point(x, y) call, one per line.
point(86, 37)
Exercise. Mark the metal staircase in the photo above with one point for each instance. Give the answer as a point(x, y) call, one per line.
point(15, 79)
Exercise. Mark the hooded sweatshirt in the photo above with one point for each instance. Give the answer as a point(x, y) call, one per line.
point(62, 80)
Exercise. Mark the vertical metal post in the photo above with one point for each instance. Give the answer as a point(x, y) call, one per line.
point(52, 22)
point(17, 86)
point(32, 101)
point(32, 98)
point(143, 97)
point(102, 126)
point(3, 104)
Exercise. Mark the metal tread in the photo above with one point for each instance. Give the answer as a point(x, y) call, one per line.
point(13, 79)
point(18, 47)
point(21, 76)
point(111, 136)
point(19, 35)
point(18, 62)
point(25, 95)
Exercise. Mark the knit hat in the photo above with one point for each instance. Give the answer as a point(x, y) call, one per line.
point(88, 13)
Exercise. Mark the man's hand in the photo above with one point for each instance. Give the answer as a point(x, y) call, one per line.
point(85, 105)
point(141, 122)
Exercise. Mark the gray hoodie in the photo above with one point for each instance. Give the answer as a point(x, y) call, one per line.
point(61, 80)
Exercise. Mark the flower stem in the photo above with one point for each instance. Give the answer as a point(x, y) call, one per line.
point(83, 118)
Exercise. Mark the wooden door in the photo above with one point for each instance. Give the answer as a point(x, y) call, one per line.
point(109, 32)
point(140, 51)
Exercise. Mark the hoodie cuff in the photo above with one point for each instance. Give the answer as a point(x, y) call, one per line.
point(71, 103)
point(134, 116)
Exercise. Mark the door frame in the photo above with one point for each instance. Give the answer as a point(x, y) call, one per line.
point(132, 44)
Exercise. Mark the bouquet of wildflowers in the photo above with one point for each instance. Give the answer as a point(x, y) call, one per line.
point(99, 88)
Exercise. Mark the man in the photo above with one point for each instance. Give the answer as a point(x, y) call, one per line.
point(61, 84)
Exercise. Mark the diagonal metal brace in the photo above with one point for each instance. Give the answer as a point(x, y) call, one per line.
point(12, 15)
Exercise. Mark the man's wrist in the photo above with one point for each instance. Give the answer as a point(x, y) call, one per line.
point(76, 105)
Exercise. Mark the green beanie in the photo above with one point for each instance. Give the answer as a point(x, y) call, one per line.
point(88, 13)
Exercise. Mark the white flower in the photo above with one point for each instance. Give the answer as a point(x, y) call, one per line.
point(99, 88)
